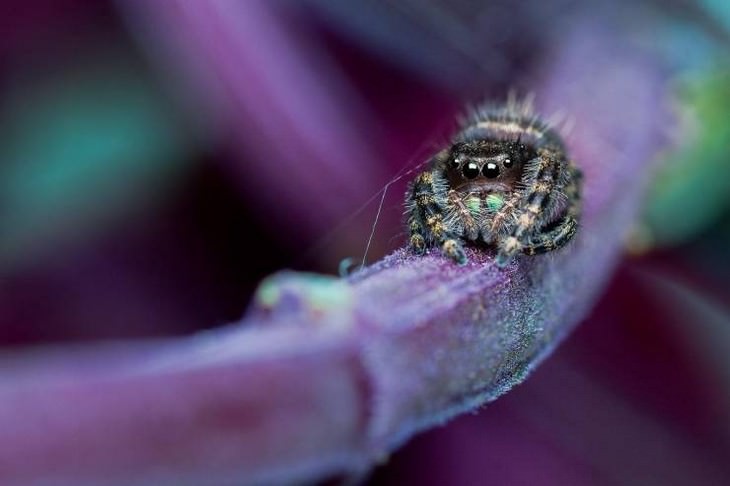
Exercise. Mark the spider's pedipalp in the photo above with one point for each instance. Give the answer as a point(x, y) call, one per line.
point(503, 220)
point(462, 217)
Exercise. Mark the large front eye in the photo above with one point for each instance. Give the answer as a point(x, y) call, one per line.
point(471, 170)
point(490, 170)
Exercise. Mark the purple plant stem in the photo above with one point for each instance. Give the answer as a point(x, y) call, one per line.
point(328, 376)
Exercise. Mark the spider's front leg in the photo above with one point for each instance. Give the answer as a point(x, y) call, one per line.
point(542, 181)
point(426, 220)
point(555, 236)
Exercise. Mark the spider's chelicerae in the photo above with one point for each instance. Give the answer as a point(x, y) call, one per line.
point(505, 181)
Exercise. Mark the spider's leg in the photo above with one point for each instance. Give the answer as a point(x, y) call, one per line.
point(542, 175)
point(427, 220)
point(417, 197)
point(558, 234)
point(504, 221)
point(573, 192)
point(417, 240)
point(552, 239)
point(564, 195)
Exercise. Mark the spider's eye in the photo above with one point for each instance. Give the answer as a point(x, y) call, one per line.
point(490, 170)
point(507, 163)
point(454, 164)
point(471, 170)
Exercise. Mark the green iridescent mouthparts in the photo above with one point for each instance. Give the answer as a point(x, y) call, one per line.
point(494, 202)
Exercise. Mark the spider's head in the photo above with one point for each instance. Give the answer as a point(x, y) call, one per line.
point(487, 166)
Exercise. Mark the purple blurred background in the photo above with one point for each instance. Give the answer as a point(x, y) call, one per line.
point(157, 159)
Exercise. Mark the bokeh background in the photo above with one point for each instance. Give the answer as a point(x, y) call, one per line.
point(157, 159)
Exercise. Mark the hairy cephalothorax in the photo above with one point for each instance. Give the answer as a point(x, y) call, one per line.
point(505, 181)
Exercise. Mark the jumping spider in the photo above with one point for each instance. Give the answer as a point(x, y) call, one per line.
point(505, 181)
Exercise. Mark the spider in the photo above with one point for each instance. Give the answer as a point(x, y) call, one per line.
point(505, 181)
